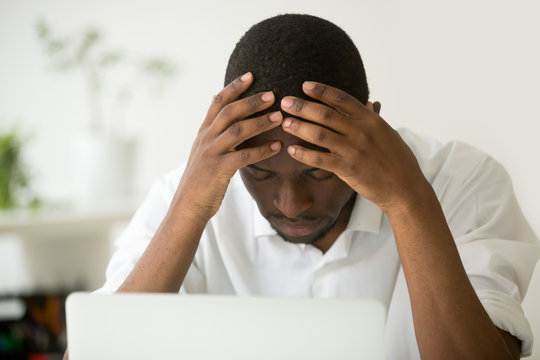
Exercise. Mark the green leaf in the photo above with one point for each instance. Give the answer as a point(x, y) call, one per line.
point(42, 29)
point(90, 38)
point(110, 58)
point(159, 67)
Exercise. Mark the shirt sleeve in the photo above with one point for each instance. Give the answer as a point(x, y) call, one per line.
point(497, 246)
point(132, 243)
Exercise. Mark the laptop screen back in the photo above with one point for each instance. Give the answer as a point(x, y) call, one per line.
point(169, 326)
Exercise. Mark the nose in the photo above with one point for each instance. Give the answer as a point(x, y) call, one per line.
point(292, 199)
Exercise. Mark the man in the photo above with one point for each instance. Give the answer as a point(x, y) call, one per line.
point(345, 205)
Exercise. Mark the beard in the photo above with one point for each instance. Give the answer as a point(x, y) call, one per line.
point(312, 239)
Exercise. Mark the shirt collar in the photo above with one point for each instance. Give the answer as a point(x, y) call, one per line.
point(365, 216)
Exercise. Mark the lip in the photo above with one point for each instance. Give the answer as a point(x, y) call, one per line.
point(297, 228)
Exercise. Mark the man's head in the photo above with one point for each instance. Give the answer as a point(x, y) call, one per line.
point(304, 204)
point(286, 50)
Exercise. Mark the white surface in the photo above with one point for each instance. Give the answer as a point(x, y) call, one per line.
point(58, 248)
point(102, 167)
point(145, 326)
point(452, 70)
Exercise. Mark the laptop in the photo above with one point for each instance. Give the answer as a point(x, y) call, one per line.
point(197, 327)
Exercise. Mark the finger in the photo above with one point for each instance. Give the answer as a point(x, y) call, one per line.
point(312, 133)
point(319, 113)
point(230, 93)
point(241, 109)
point(243, 130)
point(248, 156)
point(336, 98)
point(314, 158)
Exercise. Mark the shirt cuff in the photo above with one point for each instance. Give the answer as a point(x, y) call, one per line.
point(506, 313)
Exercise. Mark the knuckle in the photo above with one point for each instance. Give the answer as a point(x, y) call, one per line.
point(320, 135)
point(340, 97)
point(218, 98)
point(298, 105)
point(261, 122)
point(325, 113)
point(322, 90)
point(262, 151)
point(244, 155)
point(317, 160)
point(354, 168)
point(226, 111)
point(235, 129)
point(252, 101)
point(235, 84)
point(295, 125)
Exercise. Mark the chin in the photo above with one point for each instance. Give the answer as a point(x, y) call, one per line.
point(308, 239)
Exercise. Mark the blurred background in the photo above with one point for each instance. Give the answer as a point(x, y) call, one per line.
point(98, 99)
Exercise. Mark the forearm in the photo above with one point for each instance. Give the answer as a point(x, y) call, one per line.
point(166, 261)
point(212, 162)
point(449, 320)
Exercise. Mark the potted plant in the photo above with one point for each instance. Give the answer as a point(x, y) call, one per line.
point(103, 153)
point(14, 184)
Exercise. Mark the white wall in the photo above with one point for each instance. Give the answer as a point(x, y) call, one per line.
point(464, 70)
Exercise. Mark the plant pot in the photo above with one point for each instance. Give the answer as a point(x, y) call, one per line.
point(102, 168)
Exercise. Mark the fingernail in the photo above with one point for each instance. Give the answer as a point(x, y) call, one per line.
point(287, 122)
point(276, 116)
point(286, 103)
point(246, 76)
point(308, 85)
point(267, 96)
point(275, 146)
point(291, 150)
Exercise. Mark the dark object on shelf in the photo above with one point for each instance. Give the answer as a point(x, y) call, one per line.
point(32, 327)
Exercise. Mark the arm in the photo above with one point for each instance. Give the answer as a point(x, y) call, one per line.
point(366, 153)
point(212, 162)
point(449, 320)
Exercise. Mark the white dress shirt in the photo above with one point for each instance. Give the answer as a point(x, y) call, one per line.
point(239, 253)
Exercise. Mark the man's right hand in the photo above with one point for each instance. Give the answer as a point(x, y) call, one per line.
point(214, 158)
point(213, 161)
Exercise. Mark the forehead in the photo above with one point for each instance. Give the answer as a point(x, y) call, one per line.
point(282, 161)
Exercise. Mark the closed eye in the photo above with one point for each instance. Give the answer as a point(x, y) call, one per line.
point(259, 174)
point(319, 174)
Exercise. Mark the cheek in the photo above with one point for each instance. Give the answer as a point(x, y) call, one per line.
point(334, 197)
point(258, 191)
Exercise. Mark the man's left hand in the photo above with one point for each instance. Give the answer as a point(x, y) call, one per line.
point(364, 150)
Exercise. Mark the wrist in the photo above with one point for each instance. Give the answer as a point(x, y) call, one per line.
point(420, 199)
point(189, 211)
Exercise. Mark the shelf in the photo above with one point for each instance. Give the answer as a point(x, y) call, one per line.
point(64, 219)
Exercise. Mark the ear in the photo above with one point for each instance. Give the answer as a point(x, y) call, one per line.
point(377, 107)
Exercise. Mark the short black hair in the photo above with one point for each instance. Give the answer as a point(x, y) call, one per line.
point(284, 51)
